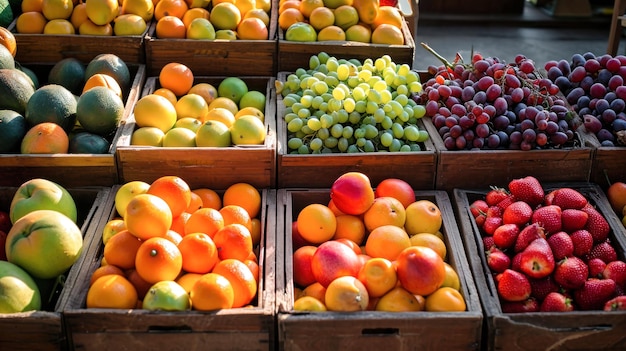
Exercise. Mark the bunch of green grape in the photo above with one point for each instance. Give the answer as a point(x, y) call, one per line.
point(345, 106)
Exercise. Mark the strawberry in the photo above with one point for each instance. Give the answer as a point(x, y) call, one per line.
point(596, 267)
point(596, 224)
point(549, 217)
point(488, 242)
point(480, 220)
point(561, 245)
point(478, 207)
point(518, 213)
point(615, 270)
point(568, 198)
point(617, 303)
point(594, 294)
point(513, 285)
point(527, 189)
point(491, 224)
point(506, 202)
point(497, 260)
point(494, 211)
point(604, 251)
point(542, 287)
point(495, 195)
point(573, 220)
point(505, 235)
point(583, 242)
point(556, 302)
point(527, 235)
point(528, 305)
point(571, 272)
point(516, 262)
point(537, 260)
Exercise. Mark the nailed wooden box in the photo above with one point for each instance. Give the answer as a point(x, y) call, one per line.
point(484, 168)
point(43, 329)
point(293, 55)
point(50, 48)
point(246, 328)
point(372, 330)
point(608, 162)
point(578, 330)
point(319, 171)
point(216, 57)
point(71, 169)
point(217, 166)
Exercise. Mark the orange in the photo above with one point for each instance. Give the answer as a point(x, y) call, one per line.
point(79, 14)
point(158, 259)
point(307, 6)
point(111, 228)
point(452, 278)
point(616, 193)
point(244, 195)
point(316, 223)
point(432, 241)
point(103, 80)
point(168, 94)
point(388, 15)
point(385, 210)
point(199, 253)
point(141, 286)
point(321, 17)
point(104, 270)
point(399, 299)
point(173, 236)
point(316, 290)
point(193, 13)
point(7, 39)
point(235, 214)
point(222, 101)
point(240, 277)
point(57, 9)
point(31, 5)
point(254, 268)
point(121, 250)
point(350, 227)
point(210, 198)
point(170, 27)
point(205, 220)
point(288, 17)
point(45, 138)
point(187, 280)
point(195, 203)
point(170, 8)
point(219, 114)
point(346, 294)
point(148, 216)
point(387, 34)
point(30, 23)
point(178, 223)
point(423, 216)
point(445, 299)
point(308, 303)
point(212, 292)
point(206, 90)
point(289, 4)
point(378, 275)
point(174, 191)
point(176, 77)
point(256, 231)
point(112, 291)
point(233, 241)
point(252, 28)
point(387, 241)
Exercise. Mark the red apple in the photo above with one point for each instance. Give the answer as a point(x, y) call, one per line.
point(396, 188)
point(421, 270)
point(332, 260)
point(352, 193)
point(302, 272)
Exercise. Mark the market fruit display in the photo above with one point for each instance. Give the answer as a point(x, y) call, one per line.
point(173, 248)
point(348, 106)
point(370, 257)
point(594, 87)
point(548, 250)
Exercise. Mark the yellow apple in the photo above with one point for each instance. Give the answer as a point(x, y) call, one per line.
point(41, 194)
point(126, 192)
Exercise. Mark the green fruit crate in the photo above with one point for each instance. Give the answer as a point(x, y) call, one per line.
point(201, 165)
point(216, 57)
point(71, 169)
point(319, 171)
point(372, 330)
point(245, 328)
point(44, 329)
point(576, 330)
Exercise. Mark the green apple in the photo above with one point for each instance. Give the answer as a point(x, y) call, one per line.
point(126, 192)
point(18, 290)
point(41, 194)
point(45, 243)
point(301, 32)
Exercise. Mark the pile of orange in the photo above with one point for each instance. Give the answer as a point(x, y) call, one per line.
point(369, 261)
point(196, 240)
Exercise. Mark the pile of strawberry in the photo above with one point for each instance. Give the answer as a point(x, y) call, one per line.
point(549, 252)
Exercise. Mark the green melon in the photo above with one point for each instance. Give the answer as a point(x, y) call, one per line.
point(70, 73)
point(52, 103)
point(13, 127)
point(99, 110)
point(16, 88)
point(88, 143)
point(6, 58)
point(112, 65)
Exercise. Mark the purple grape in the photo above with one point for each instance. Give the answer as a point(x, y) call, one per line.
point(456, 131)
point(541, 124)
point(608, 116)
point(432, 107)
point(597, 90)
point(458, 109)
point(604, 76)
point(529, 135)
point(583, 101)
point(552, 127)
point(577, 74)
point(515, 137)
point(433, 94)
point(439, 121)
point(482, 130)
point(601, 105)
point(613, 65)
point(564, 66)
point(517, 95)
point(577, 60)
point(466, 123)
point(615, 81)
point(461, 143)
point(604, 134)
point(443, 131)
point(592, 123)
point(490, 110)
point(558, 138)
point(443, 91)
point(621, 92)
point(504, 138)
point(617, 105)
point(589, 55)
point(592, 66)
point(563, 83)
point(574, 95)
point(478, 143)
point(468, 93)
point(493, 141)
point(541, 139)
point(500, 105)
point(500, 122)
point(449, 143)
point(481, 65)
point(469, 135)
point(619, 125)
point(610, 96)
point(480, 97)
point(493, 91)
point(452, 121)
point(445, 111)
point(553, 73)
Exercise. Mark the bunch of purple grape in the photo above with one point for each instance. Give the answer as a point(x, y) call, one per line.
point(594, 86)
point(490, 104)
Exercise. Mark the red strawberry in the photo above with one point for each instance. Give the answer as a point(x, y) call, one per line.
point(583, 242)
point(616, 304)
point(497, 260)
point(615, 270)
point(513, 286)
point(596, 224)
point(561, 245)
point(594, 294)
point(480, 220)
point(494, 211)
point(516, 262)
point(573, 220)
point(571, 273)
point(596, 267)
point(567, 198)
point(542, 287)
point(491, 224)
point(527, 235)
point(506, 202)
point(478, 207)
point(527, 189)
point(518, 213)
point(505, 235)
point(528, 305)
point(537, 260)
point(549, 217)
point(488, 242)
point(556, 302)
point(604, 251)
point(496, 195)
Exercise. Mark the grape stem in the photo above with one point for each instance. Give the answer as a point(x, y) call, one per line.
point(438, 56)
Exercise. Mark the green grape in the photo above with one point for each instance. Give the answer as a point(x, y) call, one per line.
point(369, 120)
point(336, 130)
point(316, 144)
point(320, 87)
point(405, 148)
point(368, 60)
point(371, 107)
point(380, 85)
point(331, 142)
point(342, 61)
point(402, 89)
point(290, 116)
point(412, 76)
point(332, 64)
point(349, 104)
point(306, 101)
point(419, 111)
point(314, 124)
point(409, 111)
point(304, 149)
point(371, 131)
point(360, 106)
point(360, 142)
point(352, 149)
point(317, 102)
point(353, 81)
point(334, 105)
point(386, 123)
point(395, 146)
point(306, 129)
point(327, 120)
point(343, 72)
point(404, 116)
point(369, 146)
point(323, 107)
point(374, 96)
point(359, 132)
point(300, 72)
point(403, 69)
point(323, 133)
point(387, 59)
point(354, 117)
point(308, 92)
point(423, 136)
point(415, 87)
point(294, 143)
point(341, 116)
point(386, 139)
point(398, 81)
point(416, 147)
point(342, 144)
point(300, 134)
point(364, 74)
point(365, 86)
point(322, 68)
point(323, 57)
point(304, 113)
point(318, 113)
point(411, 133)
point(355, 62)
point(402, 99)
point(327, 96)
point(288, 101)
point(385, 96)
point(339, 93)
point(380, 64)
point(396, 107)
point(379, 114)
point(332, 81)
point(319, 75)
point(295, 125)
point(358, 93)
point(346, 132)
point(389, 78)
point(397, 130)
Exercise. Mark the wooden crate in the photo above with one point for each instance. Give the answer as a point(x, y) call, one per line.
point(51, 48)
point(246, 328)
point(217, 166)
point(43, 329)
point(608, 162)
point(484, 168)
point(320, 171)
point(372, 330)
point(472, 7)
point(578, 330)
point(216, 57)
point(72, 169)
point(293, 55)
